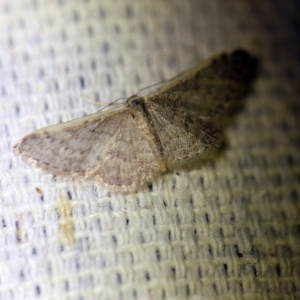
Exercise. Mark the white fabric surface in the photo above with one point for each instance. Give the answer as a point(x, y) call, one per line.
point(229, 230)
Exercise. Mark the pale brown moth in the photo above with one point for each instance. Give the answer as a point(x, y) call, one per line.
point(124, 147)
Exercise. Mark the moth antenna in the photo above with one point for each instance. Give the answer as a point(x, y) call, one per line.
point(98, 103)
point(152, 85)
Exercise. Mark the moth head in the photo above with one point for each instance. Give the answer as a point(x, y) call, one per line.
point(135, 100)
point(136, 103)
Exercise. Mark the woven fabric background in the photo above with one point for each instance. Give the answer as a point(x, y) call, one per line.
point(229, 230)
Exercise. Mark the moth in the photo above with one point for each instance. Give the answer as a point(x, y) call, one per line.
point(126, 146)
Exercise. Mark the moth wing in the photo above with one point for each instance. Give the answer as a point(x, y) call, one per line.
point(182, 136)
point(132, 158)
point(106, 145)
point(185, 108)
point(207, 88)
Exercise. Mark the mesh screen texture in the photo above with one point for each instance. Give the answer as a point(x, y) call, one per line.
point(229, 230)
